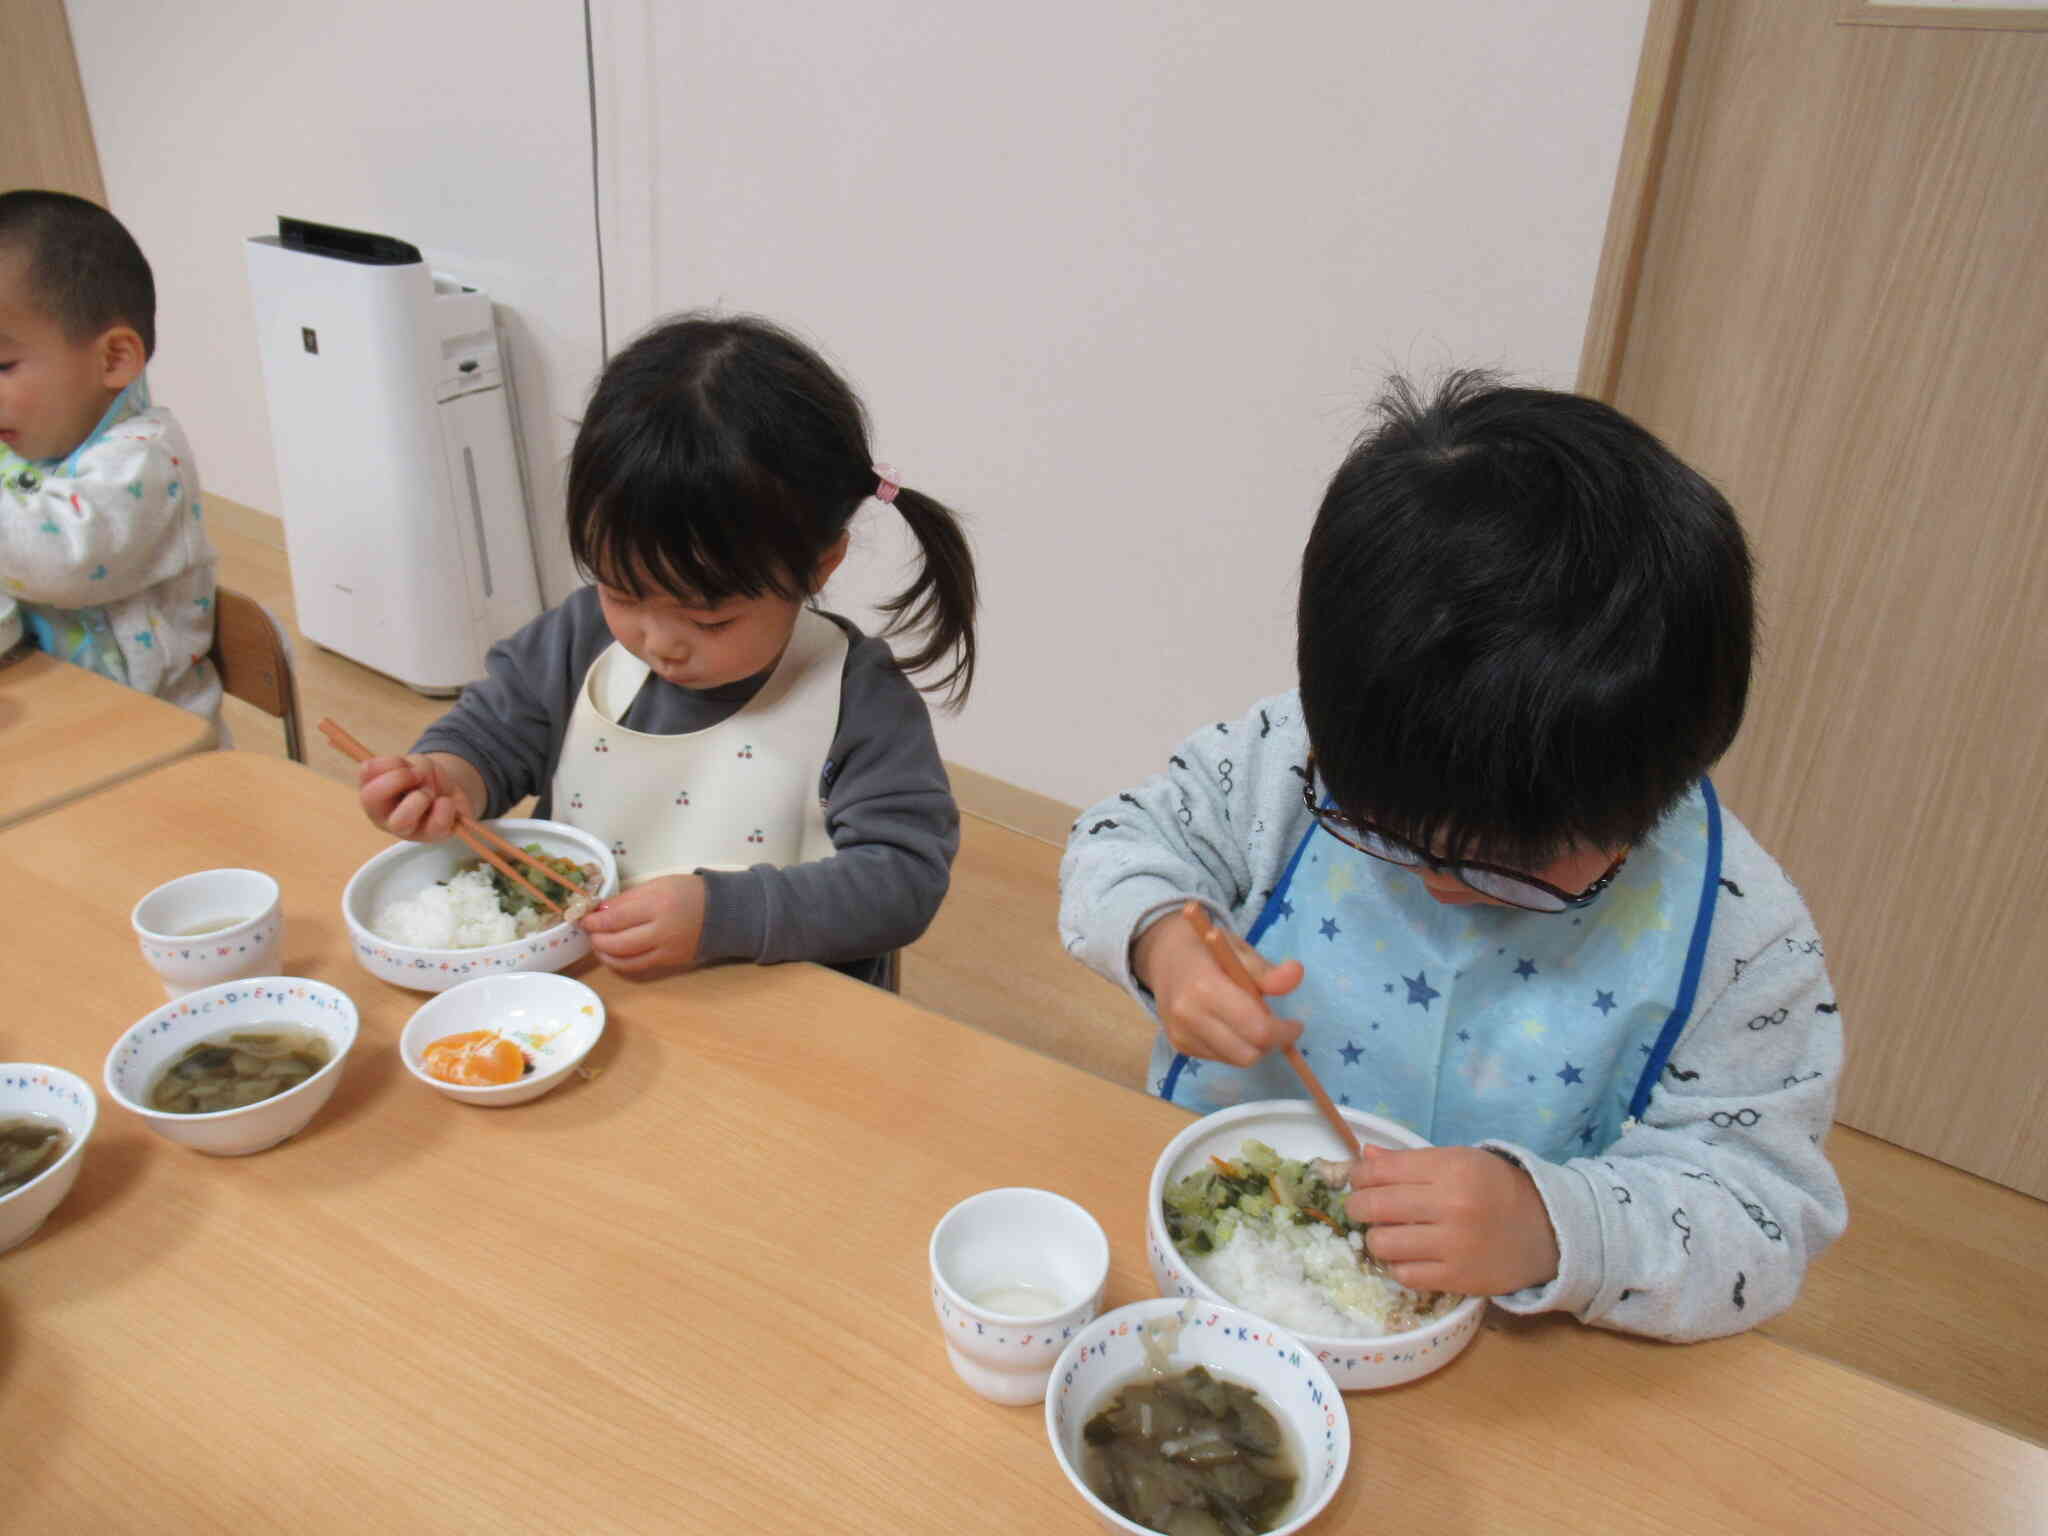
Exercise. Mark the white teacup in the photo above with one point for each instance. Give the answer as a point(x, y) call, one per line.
point(218, 925)
point(1015, 1274)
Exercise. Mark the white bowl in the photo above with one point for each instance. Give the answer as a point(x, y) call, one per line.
point(158, 1038)
point(554, 1019)
point(10, 625)
point(28, 1089)
point(1294, 1128)
point(1249, 1350)
point(406, 869)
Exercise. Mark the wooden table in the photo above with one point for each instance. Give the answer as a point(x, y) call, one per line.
point(690, 1293)
point(66, 732)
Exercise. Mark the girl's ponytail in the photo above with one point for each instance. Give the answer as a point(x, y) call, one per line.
point(941, 600)
point(722, 457)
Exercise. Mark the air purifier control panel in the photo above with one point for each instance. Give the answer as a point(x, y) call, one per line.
point(468, 336)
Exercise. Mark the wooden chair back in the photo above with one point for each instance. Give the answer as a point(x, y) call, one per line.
point(255, 662)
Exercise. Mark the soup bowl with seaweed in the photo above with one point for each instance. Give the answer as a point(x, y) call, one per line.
point(46, 1118)
point(1125, 1412)
point(234, 1068)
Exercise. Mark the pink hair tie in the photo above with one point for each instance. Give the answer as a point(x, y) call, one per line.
point(887, 483)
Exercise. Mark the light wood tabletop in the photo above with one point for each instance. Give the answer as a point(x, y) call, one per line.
point(690, 1293)
point(66, 732)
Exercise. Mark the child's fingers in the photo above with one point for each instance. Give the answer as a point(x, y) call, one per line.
point(622, 943)
point(616, 914)
point(378, 767)
point(1380, 1166)
point(1427, 1275)
point(1273, 980)
point(1228, 1026)
point(439, 822)
point(408, 812)
point(387, 786)
point(1213, 1040)
point(1279, 980)
point(1391, 1205)
point(1412, 1243)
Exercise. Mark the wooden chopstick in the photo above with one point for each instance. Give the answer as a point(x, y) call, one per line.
point(1219, 947)
point(481, 839)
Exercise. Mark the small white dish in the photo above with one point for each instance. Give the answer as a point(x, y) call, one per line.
point(213, 926)
point(53, 1094)
point(554, 1019)
point(161, 1036)
point(1295, 1128)
point(1248, 1350)
point(405, 869)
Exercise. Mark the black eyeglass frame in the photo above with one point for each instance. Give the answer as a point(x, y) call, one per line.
point(1343, 828)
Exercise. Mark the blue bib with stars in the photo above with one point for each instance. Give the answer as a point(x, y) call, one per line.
point(1469, 1023)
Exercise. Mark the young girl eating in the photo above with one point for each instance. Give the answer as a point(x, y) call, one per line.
point(764, 773)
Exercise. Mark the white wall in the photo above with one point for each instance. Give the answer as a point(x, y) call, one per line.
point(459, 125)
point(1116, 279)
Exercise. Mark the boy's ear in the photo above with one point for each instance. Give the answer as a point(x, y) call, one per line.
point(122, 356)
point(829, 562)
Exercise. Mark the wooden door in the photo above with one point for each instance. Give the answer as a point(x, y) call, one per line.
point(48, 139)
point(1827, 286)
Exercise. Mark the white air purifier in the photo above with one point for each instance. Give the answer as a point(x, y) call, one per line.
point(398, 454)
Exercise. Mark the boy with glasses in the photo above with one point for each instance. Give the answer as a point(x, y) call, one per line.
point(1477, 855)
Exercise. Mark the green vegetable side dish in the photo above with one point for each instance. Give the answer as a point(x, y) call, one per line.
point(514, 899)
point(1203, 1210)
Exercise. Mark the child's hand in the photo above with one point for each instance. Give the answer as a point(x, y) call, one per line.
point(1453, 1219)
point(1204, 1012)
point(420, 797)
point(653, 927)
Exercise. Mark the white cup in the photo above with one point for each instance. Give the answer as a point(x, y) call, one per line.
point(1015, 1274)
point(218, 925)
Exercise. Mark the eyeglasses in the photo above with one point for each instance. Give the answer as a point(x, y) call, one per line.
point(1512, 886)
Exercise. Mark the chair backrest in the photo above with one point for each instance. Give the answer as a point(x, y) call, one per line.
point(255, 662)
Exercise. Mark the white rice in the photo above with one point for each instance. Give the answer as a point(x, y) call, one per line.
point(1308, 1278)
point(460, 913)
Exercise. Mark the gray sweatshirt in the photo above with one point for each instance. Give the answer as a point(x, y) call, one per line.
point(888, 806)
point(1701, 1218)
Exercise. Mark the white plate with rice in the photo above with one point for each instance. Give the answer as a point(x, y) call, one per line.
point(1275, 1281)
point(416, 919)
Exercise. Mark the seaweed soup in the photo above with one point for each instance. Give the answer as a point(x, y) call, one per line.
point(238, 1068)
point(1189, 1453)
point(29, 1148)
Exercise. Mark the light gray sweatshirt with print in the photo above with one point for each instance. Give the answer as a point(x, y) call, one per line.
point(1701, 1218)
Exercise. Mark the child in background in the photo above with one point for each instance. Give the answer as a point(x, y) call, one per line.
point(764, 773)
point(100, 535)
point(1477, 855)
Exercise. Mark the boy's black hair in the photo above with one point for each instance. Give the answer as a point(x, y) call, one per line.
point(84, 269)
point(721, 457)
point(1524, 624)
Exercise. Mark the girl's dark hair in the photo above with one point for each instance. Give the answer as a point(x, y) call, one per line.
point(721, 457)
point(85, 270)
point(1524, 624)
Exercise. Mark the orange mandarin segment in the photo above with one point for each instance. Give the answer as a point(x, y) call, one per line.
point(481, 1058)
